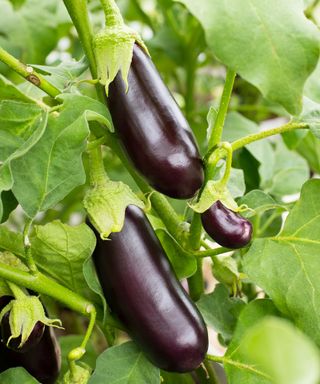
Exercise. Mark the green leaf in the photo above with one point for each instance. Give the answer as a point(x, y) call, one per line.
point(64, 74)
point(311, 116)
point(21, 127)
point(260, 202)
point(278, 353)
point(60, 250)
point(17, 375)
point(34, 29)
point(124, 364)
point(290, 171)
point(54, 165)
point(252, 38)
point(183, 263)
point(176, 378)
point(9, 203)
point(11, 241)
point(309, 148)
point(286, 266)
point(221, 311)
point(8, 91)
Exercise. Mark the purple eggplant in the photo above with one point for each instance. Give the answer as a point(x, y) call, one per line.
point(153, 130)
point(226, 227)
point(141, 288)
point(13, 344)
point(42, 361)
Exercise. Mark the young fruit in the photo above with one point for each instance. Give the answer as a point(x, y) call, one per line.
point(143, 291)
point(42, 360)
point(226, 227)
point(153, 130)
point(14, 343)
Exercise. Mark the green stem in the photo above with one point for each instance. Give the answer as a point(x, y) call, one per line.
point(190, 84)
point(112, 13)
point(98, 176)
point(195, 282)
point(226, 361)
point(27, 248)
point(223, 109)
point(211, 372)
point(210, 252)
point(43, 284)
point(78, 12)
point(28, 73)
point(271, 132)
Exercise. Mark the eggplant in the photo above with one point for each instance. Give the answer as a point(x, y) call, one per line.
point(13, 344)
point(142, 290)
point(153, 131)
point(42, 361)
point(226, 227)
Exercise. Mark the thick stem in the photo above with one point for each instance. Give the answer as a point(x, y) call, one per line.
point(271, 132)
point(98, 175)
point(78, 12)
point(223, 109)
point(28, 73)
point(112, 13)
point(195, 282)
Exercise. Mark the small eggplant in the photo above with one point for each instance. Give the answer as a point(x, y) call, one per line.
point(142, 290)
point(42, 361)
point(153, 130)
point(226, 227)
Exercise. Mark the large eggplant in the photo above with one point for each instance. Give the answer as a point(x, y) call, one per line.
point(153, 130)
point(143, 291)
point(42, 361)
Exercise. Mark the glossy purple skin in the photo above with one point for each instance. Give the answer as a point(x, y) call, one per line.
point(42, 361)
point(143, 291)
point(33, 339)
point(153, 130)
point(226, 227)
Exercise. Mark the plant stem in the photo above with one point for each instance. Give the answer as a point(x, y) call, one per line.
point(27, 248)
point(216, 133)
point(271, 132)
point(211, 372)
point(42, 284)
point(190, 83)
point(211, 252)
point(28, 73)
point(112, 13)
point(78, 12)
point(98, 176)
point(195, 282)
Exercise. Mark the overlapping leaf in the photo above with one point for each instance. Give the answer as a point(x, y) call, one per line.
point(252, 37)
point(286, 266)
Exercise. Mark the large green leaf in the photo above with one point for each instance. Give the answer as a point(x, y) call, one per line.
point(17, 375)
point(61, 250)
point(124, 364)
point(22, 124)
point(53, 167)
point(286, 266)
point(253, 38)
point(221, 311)
point(268, 350)
point(32, 30)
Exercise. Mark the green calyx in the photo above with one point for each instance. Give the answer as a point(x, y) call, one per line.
point(113, 49)
point(25, 312)
point(80, 375)
point(106, 203)
point(213, 191)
